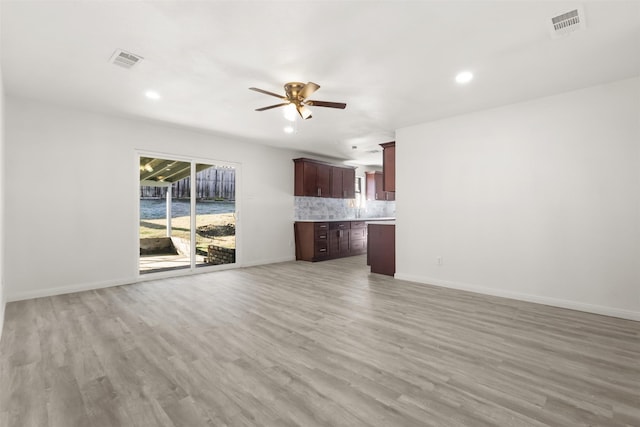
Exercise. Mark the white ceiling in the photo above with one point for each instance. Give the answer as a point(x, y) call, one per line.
point(392, 62)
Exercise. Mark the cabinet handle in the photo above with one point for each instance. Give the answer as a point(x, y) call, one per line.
point(323, 250)
point(319, 191)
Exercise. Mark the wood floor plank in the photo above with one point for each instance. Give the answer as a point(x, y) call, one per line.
point(311, 344)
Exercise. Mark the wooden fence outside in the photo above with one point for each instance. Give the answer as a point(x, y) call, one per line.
point(211, 183)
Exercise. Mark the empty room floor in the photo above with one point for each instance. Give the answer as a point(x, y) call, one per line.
point(302, 344)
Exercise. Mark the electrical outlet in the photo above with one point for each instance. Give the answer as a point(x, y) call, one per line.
point(439, 260)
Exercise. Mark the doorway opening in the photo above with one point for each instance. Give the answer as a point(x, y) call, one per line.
point(187, 214)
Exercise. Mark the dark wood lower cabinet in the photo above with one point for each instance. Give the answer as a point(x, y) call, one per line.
point(382, 248)
point(338, 243)
point(317, 241)
point(358, 238)
point(312, 240)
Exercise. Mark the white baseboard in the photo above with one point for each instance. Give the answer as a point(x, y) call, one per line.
point(555, 302)
point(268, 261)
point(19, 296)
point(61, 290)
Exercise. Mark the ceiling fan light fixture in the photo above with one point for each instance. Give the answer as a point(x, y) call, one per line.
point(304, 112)
point(289, 112)
point(295, 99)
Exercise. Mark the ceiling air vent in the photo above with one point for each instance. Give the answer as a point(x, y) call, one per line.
point(124, 59)
point(567, 22)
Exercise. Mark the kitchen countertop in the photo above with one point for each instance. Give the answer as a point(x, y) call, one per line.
point(382, 219)
point(387, 222)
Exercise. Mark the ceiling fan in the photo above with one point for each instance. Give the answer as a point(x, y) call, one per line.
point(296, 94)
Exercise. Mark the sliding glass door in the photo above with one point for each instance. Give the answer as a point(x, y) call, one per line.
point(187, 214)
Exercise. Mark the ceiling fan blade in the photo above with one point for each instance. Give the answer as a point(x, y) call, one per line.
point(308, 90)
point(304, 112)
point(340, 105)
point(266, 92)
point(272, 106)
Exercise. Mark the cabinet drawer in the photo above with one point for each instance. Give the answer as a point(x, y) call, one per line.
point(321, 236)
point(358, 233)
point(321, 249)
point(343, 225)
point(321, 226)
point(358, 224)
point(358, 246)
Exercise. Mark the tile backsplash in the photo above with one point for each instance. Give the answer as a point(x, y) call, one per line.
point(313, 208)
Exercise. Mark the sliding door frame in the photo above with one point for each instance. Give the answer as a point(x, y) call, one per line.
point(193, 268)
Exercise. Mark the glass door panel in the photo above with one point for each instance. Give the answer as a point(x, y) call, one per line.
point(215, 194)
point(165, 215)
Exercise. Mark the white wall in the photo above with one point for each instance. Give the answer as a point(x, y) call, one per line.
point(537, 201)
point(2, 172)
point(71, 191)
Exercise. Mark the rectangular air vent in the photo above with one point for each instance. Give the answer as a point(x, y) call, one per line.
point(567, 22)
point(124, 59)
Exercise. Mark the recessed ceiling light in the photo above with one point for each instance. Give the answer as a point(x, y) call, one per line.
point(288, 129)
point(152, 94)
point(464, 77)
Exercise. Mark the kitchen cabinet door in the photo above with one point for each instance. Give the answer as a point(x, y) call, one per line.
point(323, 180)
point(339, 243)
point(389, 166)
point(343, 183)
point(374, 183)
point(348, 183)
point(312, 179)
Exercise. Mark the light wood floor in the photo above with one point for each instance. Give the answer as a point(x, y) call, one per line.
point(301, 344)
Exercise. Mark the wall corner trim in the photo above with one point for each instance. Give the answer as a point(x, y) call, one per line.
point(554, 302)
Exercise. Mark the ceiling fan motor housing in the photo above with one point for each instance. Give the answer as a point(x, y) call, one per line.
point(292, 89)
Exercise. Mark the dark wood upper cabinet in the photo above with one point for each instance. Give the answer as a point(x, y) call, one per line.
point(336, 182)
point(314, 178)
point(389, 166)
point(343, 183)
point(374, 182)
point(309, 182)
point(324, 180)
